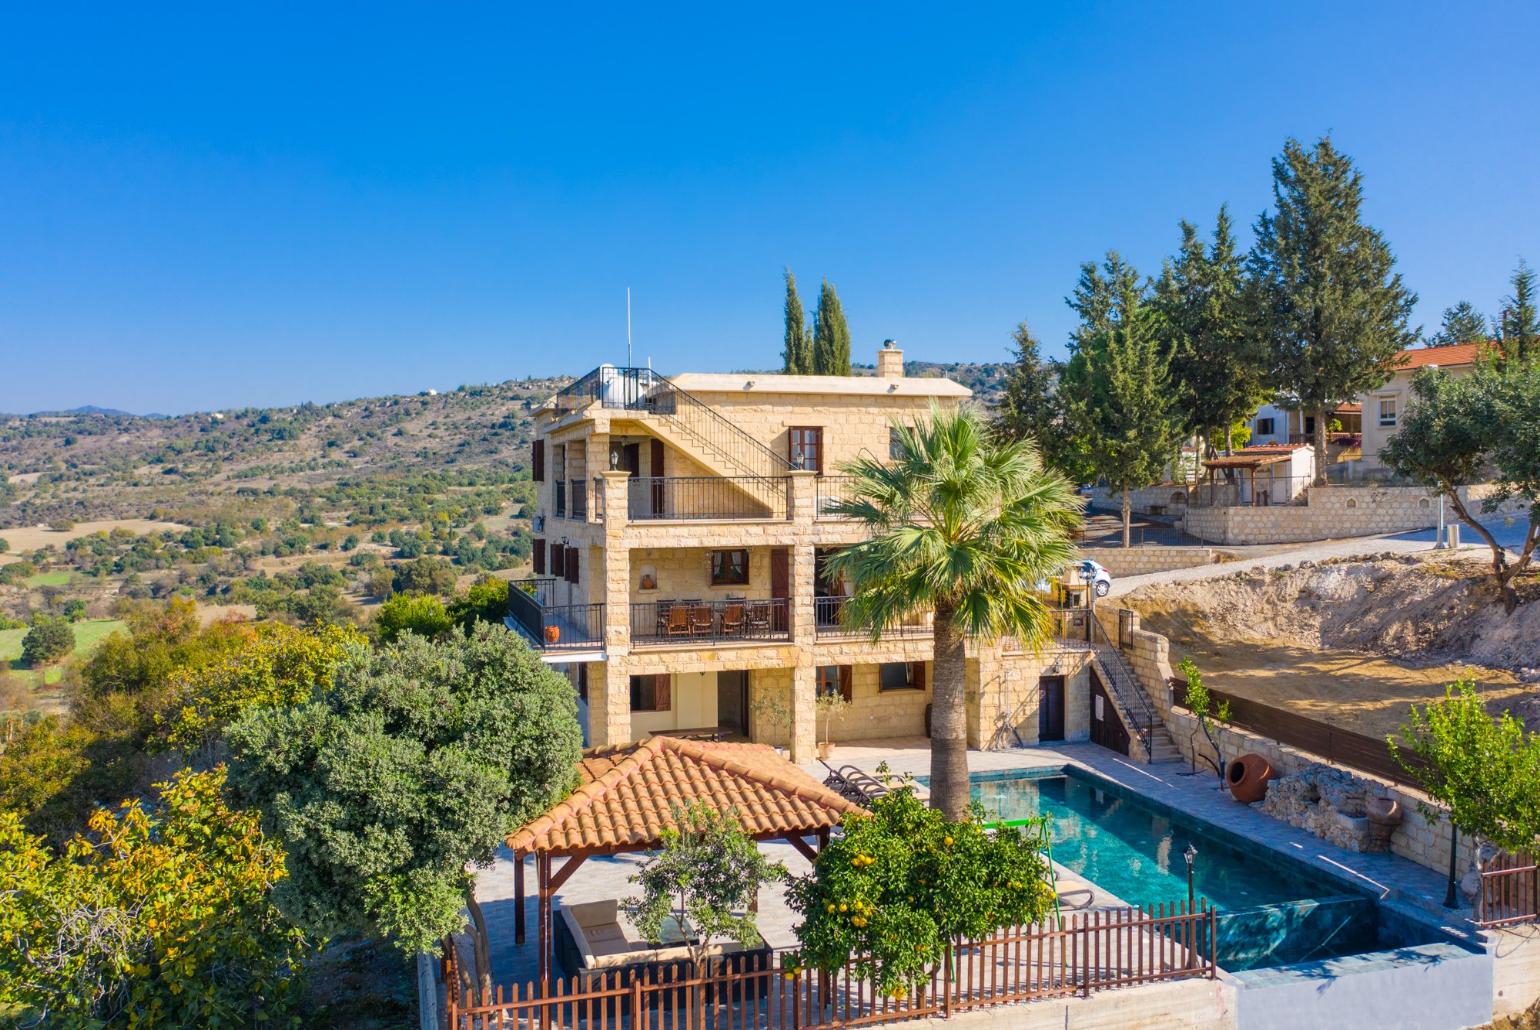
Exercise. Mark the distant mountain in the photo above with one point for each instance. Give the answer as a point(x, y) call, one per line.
point(93, 409)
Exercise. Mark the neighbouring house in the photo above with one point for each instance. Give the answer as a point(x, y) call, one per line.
point(1257, 476)
point(682, 531)
point(1385, 407)
point(1276, 424)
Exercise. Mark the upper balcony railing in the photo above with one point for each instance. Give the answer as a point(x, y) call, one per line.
point(682, 622)
point(828, 621)
point(708, 498)
point(831, 490)
point(554, 626)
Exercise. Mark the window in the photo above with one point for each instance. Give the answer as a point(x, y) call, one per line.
point(805, 448)
point(559, 462)
point(537, 461)
point(834, 679)
point(572, 565)
point(1264, 427)
point(558, 553)
point(651, 693)
point(895, 444)
point(1309, 425)
point(730, 568)
point(901, 676)
point(1387, 411)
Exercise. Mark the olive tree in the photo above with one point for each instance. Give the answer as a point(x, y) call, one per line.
point(414, 762)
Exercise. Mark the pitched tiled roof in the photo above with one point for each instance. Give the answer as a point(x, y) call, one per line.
point(1444, 357)
point(628, 795)
point(1253, 457)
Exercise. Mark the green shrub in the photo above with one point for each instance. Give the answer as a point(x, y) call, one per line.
point(49, 639)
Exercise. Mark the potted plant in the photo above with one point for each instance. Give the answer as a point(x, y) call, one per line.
point(553, 634)
point(829, 705)
point(771, 712)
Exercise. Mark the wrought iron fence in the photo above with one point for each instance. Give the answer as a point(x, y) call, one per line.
point(655, 622)
point(828, 621)
point(551, 626)
point(708, 497)
point(830, 491)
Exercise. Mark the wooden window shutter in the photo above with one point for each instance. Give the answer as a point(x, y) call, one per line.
point(537, 557)
point(558, 566)
point(918, 675)
point(662, 693)
point(846, 690)
point(537, 461)
point(818, 451)
point(572, 565)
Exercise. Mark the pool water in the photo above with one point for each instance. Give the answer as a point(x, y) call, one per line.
point(1133, 850)
point(1271, 910)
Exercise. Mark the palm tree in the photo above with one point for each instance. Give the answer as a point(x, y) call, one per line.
point(967, 526)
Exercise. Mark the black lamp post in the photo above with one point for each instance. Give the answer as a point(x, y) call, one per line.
point(1190, 854)
point(1450, 899)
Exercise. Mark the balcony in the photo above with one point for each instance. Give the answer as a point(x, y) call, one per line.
point(828, 622)
point(552, 627)
point(831, 490)
point(709, 498)
point(690, 621)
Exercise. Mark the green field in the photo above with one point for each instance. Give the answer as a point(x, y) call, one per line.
point(88, 633)
point(60, 578)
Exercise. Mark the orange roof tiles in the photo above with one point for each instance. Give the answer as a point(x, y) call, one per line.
point(1444, 357)
point(628, 794)
point(1254, 457)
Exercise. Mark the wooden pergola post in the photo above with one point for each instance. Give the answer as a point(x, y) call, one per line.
point(518, 897)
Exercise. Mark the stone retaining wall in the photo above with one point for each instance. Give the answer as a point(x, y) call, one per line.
point(1138, 561)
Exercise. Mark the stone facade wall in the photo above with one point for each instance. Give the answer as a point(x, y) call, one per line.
point(1137, 561)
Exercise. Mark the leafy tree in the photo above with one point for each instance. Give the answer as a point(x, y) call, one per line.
point(1201, 703)
point(416, 761)
point(422, 614)
point(1104, 298)
point(279, 666)
point(831, 336)
point(159, 915)
point(1461, 323)
point(49, 639)
point(1030, 408)
point(1217, 368)
point(1462, 430)
point(486, 601)
point(1518, 326)
point(904, 882)
point(382, 582)
point(425, 575)
point(960, 525)
point(74, 609)
point(1485, 771)
point(1324, 295)
point(708, 872)
point(1121, 405)
point(797, 350)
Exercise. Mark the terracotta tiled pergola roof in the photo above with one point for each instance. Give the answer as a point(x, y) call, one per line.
point(628, 794)
point(627, 797)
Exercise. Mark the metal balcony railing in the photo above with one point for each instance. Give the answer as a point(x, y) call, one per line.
point(707, 498)
point(831, 490)
point(687, 621)
point(552, 627)
point(828, 621)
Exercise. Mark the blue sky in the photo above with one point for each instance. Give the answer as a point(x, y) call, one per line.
point(207, 208)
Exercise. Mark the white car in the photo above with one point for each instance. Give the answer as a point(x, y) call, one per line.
point(1096, 574)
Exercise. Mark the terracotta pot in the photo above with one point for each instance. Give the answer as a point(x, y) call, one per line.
point(553, 634)
point(1384, 816)
point(1247, 777)
point(825, 749)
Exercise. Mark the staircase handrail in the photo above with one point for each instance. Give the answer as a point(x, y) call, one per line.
point(1124, 684)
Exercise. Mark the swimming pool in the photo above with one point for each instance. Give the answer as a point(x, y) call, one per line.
point(1273, 910)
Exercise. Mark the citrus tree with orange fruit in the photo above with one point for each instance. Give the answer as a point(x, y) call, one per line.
point(903, 882)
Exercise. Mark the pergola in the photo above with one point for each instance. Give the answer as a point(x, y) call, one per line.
point(628, 795)
point(1248, 459)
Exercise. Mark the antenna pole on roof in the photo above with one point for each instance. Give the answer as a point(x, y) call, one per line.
point(628, 327)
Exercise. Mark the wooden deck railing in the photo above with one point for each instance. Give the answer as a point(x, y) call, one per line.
point(1509, 892)
point(1091, 951)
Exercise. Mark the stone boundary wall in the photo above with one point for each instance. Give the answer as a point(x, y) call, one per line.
point(1138, 561)
point(1417, 838)
point(1329, 512)
point(1171, 498)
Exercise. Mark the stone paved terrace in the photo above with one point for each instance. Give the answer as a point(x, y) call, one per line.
point(1395, 880)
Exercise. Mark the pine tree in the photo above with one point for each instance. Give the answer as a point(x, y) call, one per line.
point(1461, 323)
point(1518, 327)
point(1324, 295)
point(1103, 297)
point(1120, 403)
point(1030, 408)
point(798, 346)
point(831, 336)
point(1217, 366)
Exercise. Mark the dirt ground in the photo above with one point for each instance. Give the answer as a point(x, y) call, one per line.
point(30, 538)
point(1353, 642)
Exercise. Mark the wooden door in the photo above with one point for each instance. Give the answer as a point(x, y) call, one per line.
point(780, 586)
point(1106, 728)
point(655, 469)
point(1050, 708)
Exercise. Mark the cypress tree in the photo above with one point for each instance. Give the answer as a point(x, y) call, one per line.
point(1030, 408)
point(1103, 297)
point(1217, 368)
point(831, 336)
point(798, 345)
point(1461, 323)
point(1518, 327)
point(1324, 294)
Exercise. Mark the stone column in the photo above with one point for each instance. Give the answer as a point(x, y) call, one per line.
point(803, 732)
point(610, 715)
point(804, 712)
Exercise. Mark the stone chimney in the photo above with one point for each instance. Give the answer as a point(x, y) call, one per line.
point(890, 361)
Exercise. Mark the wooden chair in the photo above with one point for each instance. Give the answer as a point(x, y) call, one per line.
point(759, 618)
point(733, 619)
point(678, 620)
point(702, 621)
